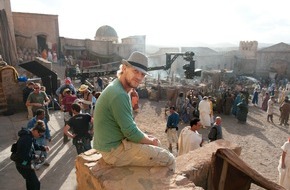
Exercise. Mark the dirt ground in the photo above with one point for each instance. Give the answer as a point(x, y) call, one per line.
point(259, 139)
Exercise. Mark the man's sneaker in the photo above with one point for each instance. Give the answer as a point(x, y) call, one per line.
point(37, 166)
point(32, 166)
point(46, 163)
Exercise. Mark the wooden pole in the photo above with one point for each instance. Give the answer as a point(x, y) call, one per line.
point(223, 175)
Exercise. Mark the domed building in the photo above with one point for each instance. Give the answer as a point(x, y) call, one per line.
point(104, 48)
point(106, 33)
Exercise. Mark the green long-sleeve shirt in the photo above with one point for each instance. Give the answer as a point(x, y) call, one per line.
point(113, 120)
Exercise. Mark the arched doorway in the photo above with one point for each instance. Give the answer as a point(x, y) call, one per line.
point(41, 42)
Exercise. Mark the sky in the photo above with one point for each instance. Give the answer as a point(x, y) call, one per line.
point(170, 22)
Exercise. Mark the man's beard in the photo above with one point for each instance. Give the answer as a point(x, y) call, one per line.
point(131, 83)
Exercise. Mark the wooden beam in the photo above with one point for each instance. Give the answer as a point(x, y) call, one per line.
point(223, 175)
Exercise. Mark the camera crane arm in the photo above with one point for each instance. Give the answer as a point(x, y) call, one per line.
point(170, 58)
point(189, 68)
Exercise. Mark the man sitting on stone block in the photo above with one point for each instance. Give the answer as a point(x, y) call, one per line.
point(117, 136)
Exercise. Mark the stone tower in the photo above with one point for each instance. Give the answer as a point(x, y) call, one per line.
point(249, 49)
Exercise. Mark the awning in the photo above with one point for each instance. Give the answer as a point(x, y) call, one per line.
point(48, 77)
point(113, 56)
point(77, 48)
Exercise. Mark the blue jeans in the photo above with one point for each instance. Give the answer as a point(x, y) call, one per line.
point(82, 144)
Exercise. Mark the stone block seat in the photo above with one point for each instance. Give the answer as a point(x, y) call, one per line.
point(192, 171)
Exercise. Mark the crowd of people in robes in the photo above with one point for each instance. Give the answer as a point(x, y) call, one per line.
point(267, 98)
point(232, 102)
point(236, 103)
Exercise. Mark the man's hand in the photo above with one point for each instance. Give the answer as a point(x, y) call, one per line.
point(37, 104)
point(36, 156)
point(46, 148)
point(149, 139)
point(283, 165)
point(155, 141)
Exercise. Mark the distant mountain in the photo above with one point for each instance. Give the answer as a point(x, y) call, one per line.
point(225, 49)
point(224, 45)
point(217, 47)
point(264, 45)
point(152, 49)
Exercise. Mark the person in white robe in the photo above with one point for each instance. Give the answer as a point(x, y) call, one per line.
point(204, 112)
point(189, 138)
point(260, 99)
point(270, 109)
point(284, 166)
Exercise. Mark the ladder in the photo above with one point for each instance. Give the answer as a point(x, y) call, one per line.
point(3, 101)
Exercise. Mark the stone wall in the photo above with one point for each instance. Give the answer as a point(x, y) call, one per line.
point(266, 60)
point(30, 25)
point(11, 88)
point(105, 49)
